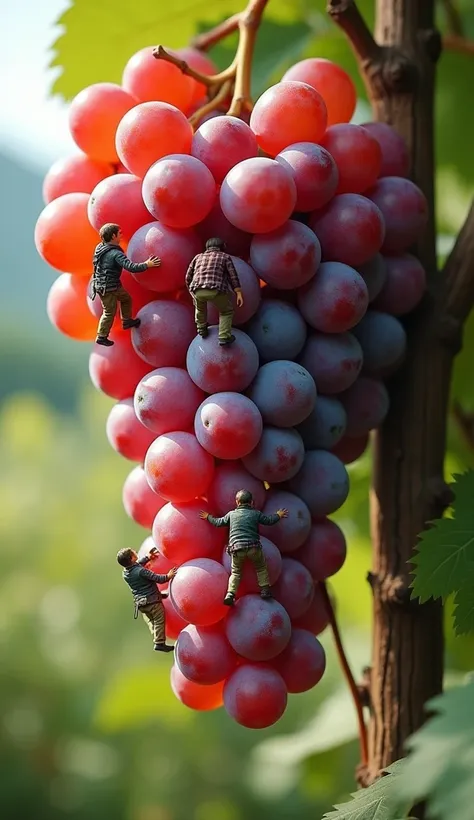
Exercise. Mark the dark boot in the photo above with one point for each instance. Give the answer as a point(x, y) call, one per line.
point(103, 340)
point(204, 333)
point(127, 324)
point(226, 342)
point(163, 647)
point(229, 599)
point(266, 592)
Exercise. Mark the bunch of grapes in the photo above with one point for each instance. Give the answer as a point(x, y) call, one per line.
point(319, 216)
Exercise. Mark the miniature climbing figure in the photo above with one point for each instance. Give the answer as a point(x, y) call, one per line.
point(244, 542)
point(109, 260)
point(148, 598)
point(211, 277)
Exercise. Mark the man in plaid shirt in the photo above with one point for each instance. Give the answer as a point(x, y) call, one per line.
point(210, 278)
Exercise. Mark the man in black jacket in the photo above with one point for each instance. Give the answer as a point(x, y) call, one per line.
point(109, 260)
point(148, 599)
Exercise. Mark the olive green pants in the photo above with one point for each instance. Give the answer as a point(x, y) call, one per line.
point(109, 303)
point(238, 558)
point(223, 303)
point(154, 615)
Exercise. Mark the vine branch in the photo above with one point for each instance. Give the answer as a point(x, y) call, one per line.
point(353, 688)
point(346, 15)
point(205, 41)
point(459, 272)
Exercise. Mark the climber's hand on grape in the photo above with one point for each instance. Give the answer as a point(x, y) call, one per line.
point(153, 262)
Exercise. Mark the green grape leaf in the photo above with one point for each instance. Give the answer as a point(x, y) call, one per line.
point(440, 767)
point(444, 561)
point(381, 801)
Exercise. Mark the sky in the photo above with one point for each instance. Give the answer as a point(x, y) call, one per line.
point(33, 128)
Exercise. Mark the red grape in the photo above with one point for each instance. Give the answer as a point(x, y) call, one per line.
point(255, 696)
point(290, 532)
point(324, 551)
point(249, 582)
point(366, 404)
point(175, 248)
point(349, 449)
point(383, 341)
point(198, 592)
point(228, 479)
point(294, 588)
point(149, 79)
point(126, 433)
point(149, 132)
point(284, 392)
point(204, 655)
point(358, 156)
point(278, 330)
point(94, 115)
point(316, 617)
point(117, 370)
point(258, 629)
point(258, 195)
point(158, 562)
point(252, 292)
point(314, 171)
point(165, 333)
point(278, 456)
point(140, 502)
point(335, 300)
point(405, 211)
point(325, 425)
point(118, 199)
point(322, 482)
point(166, 399)
point(351, 229)
point(395, 155)
point(223, 142)
point(228, 425)
point(286, 113)
point(67, 309)
point(179, 190)
point(237, 242)
point(286, 257)
point(201, 698)
point(70, 175)
point(66, 216)
point(178, 468)
point(218, 369)
point(374, 274)
point(333, 83)
point(181, 535)
point(334, 360)
point(302, 664)
point(173, 622)
point(404, 285)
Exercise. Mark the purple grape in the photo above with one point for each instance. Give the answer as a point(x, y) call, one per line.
point(284, 392)
point(366, 404)
point(404, 286)
point(322, 483)
point(278, 455)
point(325, 425)
point(383, 341)
point(278, 330)
point(374, 274)
point(334, 360)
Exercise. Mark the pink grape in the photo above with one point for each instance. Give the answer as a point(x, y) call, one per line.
point(223, 142)
point(149, 79)
point(217, 369)
point(179, 191)
point(333, 83)
point(181, 535)
point(383, 341)
point(284, 392)
point(316, 617)
point(174, 624)
point(64, 215)
point(126, 433)
point(357, 154)
point(116, 370)
point(166, 399)
point(249, 582)
point(237, 242)
point(165, 333)
point(294, 588)
point(71, 174)
point(228, 425)
point(350, 228)
point(278, 330)
point(204, 655)
point(198, 592)
point(228, 479)
point(200, 62)
point(324, 551)
point(258, 629)
point(278, 456)
point(118, 199)
point(94, 115)
point(176, 248)
point(395, 155)
point(335, 300)
point(252, 295)
point(286, 113)
point(349, 449)
point(322, 482)
point(255, 696)
point(287, 257)
point(404, 285)
point(140, 502)
point(405, 212)
point(178, 468)
point(314, 171)
point(325, 425)
point(290, 532)
point(201, 698)
point(366, 404)
point(334, 360)
point(302, 664)
point(258, 195)
point(158, 562)
point(374, 274)
point(149, 132)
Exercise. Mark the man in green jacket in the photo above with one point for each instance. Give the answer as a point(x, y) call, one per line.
point(244, 541)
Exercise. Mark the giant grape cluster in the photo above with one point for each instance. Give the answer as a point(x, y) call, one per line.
point(319, 215)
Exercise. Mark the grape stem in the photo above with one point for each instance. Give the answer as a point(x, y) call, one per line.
point(353, 688)
point(235, 80)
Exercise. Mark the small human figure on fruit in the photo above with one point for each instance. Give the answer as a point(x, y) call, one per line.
point(244, 541)
point(148, 598)
point(210, 277)
point(108, 261)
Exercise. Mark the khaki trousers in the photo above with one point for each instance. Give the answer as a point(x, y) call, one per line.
point(109, 308)
point(238, 558)
point(154, 615)
point(223, 303)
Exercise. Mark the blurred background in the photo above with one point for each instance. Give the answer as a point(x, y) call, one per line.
point(89, 727)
